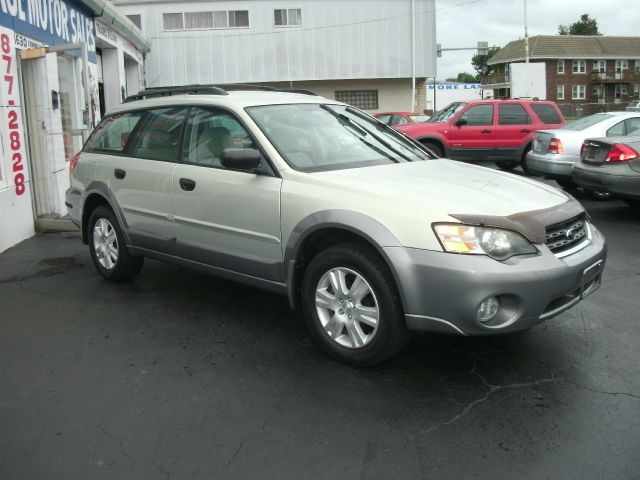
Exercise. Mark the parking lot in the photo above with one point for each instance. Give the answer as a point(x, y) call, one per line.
point(180, 375)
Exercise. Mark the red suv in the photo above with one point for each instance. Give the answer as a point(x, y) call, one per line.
point(487, 130)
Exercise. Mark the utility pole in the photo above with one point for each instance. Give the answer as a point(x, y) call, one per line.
point(526, 35)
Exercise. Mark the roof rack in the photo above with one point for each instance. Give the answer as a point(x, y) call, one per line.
point(153, 92)
point(182, 90)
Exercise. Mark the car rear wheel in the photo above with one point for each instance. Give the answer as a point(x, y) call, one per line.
point(108, 250)
point(352, 307)
point(434, 147)
point(598, 194)
point(567, 184)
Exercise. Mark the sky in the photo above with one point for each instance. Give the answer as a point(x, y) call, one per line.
point(462, 23)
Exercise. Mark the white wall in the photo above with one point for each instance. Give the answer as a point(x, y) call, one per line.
point(338, 39)
point(528, 80)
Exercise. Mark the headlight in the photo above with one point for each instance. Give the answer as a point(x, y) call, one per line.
point(494, 242)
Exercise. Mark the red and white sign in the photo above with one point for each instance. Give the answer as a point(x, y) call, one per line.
point(11, 121)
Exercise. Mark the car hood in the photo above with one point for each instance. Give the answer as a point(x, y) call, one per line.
point(446, 187)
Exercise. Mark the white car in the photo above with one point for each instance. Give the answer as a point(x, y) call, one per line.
point(357, 225)
point(554, 152)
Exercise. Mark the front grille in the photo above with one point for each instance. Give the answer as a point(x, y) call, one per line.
point(564, 236)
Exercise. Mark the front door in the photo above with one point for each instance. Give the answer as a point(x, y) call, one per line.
point(473, 140)
point(224, 218)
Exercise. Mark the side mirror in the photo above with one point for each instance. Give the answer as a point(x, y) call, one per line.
point(241, 158)
point(460, 122)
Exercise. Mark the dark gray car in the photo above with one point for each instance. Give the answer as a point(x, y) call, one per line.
point(611, 164)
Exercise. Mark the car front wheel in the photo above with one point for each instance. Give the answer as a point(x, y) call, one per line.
point(352, 307)
point(108, 250)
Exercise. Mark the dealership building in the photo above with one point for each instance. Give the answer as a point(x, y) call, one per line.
point(64, 64)
point(365, 53)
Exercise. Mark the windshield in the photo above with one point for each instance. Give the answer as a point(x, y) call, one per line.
point(586, 122)
point(447, 112)
point(315, 137)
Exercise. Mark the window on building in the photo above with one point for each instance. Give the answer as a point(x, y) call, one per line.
point(579, 66)
point(578, 92)
point(220, 20)
point(600, 66)
point(636, 89)
point(287, 17)
point(560, 66)
point(637, 62)
point(172, 21)
point(560, 92)
point(512, 114)
point(620, 90)
point(478, 115)
point(198, 20)
point(621, 65)
point(364, 99)
point(136, 19)
point(239, 18)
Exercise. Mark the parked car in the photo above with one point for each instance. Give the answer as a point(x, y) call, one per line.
point(633, 106)
point(611, 164)
point(556, 151)
point(486, 130)
point(358, 226)
point(401, 118)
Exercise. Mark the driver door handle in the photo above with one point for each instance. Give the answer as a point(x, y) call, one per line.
point(485, 131)
point(525, 130)
point(187, 184)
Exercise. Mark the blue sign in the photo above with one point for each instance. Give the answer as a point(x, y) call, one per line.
point(53, 22)
point(456, 86)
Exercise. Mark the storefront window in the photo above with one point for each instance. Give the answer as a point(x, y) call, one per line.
point(71, 104)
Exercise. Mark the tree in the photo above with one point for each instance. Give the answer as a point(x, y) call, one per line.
point(479, 62)
point(585, 26)
point(465, 77)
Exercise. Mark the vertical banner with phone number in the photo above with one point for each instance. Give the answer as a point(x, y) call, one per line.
point(13, 137)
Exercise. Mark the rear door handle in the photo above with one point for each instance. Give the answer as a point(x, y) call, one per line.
point(485, 131)
point(119, 173)
point(187, 184)
point(525, 130)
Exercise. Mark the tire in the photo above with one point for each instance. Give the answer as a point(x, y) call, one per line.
point(435, 148)
point(108, 249)
point(506, 166)
point(567, 184)
point(368, 290)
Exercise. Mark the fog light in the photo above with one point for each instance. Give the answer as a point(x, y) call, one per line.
point(488, 309)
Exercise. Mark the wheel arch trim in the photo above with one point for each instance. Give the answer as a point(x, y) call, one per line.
point(102, 190)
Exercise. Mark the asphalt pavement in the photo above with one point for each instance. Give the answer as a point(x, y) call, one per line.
point(177, 375)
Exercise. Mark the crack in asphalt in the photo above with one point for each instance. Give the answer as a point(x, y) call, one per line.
point(123, 450)
point(604, 392)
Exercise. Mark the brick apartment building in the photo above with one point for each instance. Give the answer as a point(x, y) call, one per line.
point(584, 74)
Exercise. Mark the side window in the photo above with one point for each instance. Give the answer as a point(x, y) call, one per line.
point(616, 130)
point(208, 133)
point(631, 124)
point(113, 133)
point(546, 113)
point(399, 120)
point(384, 119)
point(478, 115)
point(160, 135)
point(513, 114)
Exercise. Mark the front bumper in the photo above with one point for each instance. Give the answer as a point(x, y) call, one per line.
point(441, 292)
point(624, 182)
point(551, 165)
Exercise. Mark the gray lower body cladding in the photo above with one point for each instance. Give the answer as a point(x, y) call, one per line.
point(441, 292)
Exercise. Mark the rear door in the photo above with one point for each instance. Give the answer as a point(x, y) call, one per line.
point(140, 175)
point(474, 140)
point(514, 130)
point(225, 218)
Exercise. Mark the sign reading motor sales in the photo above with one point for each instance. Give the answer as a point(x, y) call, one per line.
point(52, 22)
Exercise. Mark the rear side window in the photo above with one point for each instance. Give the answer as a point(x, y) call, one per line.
point(113, 133)
point(160, 135)
point(478, 115)
point(512, 114)
point(546, 113)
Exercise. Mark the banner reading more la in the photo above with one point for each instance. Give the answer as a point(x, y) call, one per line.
point(53, 21)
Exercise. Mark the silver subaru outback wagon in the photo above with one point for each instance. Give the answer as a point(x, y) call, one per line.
point(365, 231)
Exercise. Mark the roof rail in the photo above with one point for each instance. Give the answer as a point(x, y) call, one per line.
point(153, 92)
point(181, 90)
